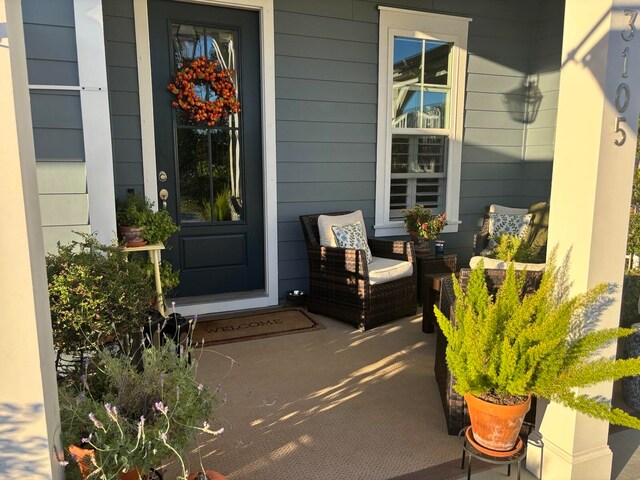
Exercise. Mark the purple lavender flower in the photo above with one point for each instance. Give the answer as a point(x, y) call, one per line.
point(200, 387)
point(95, 421)
point(161, 408)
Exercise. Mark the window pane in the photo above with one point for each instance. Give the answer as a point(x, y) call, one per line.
point(418, 153)
point(417, 64)
point(436, 61)
point(193, 171)
point(226, 172)
point(407, 192)
point(210, 175)
point(191, 41)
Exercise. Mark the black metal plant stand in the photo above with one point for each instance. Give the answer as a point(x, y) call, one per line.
point(468, 448)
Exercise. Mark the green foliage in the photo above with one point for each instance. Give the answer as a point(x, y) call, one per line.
point(137, 211)
point(159, 226)
point(169, 279)
point(94, 292)
point(535, 344)
point(511, 249)
point(221, 209)
point(134, 417)
point(421, 221)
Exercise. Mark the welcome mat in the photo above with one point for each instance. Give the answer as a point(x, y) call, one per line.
point(215, 329)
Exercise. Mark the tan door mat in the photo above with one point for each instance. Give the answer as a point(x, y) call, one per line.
point(215, 329)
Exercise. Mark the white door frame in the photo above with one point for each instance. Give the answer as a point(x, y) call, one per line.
point(267, 82)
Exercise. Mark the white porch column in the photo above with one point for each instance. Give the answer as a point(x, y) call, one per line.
point(28, 395)
point(590, 196)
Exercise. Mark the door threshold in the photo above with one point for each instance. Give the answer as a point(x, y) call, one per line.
point(222, 302)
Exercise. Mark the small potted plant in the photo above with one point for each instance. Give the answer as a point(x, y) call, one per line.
point(138, 224)
point(505, 347)
point(120, 417)
point(423, 226)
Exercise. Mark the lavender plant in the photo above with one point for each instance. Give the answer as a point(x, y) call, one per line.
point(131, 417)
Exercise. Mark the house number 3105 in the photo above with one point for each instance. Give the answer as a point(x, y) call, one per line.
point(623, 92)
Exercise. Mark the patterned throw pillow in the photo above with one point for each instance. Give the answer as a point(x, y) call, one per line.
point(506, 224)
point(352, 236)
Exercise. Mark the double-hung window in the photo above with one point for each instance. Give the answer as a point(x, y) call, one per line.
point(422, 59)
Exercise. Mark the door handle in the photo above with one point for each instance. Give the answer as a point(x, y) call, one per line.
point(164, 195)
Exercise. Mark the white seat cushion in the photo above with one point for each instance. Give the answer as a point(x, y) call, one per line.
point(382, 270)
point(325, 222)
point(502, 265)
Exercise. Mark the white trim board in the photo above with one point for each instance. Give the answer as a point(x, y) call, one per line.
point(96, 121)
point(269, 170)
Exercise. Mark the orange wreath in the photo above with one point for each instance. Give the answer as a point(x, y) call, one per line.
point(205, 72)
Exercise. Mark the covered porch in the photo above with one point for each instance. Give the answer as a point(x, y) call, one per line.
point(580, 158)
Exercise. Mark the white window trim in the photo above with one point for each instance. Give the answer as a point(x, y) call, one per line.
point(269, 296)
point(395, 21)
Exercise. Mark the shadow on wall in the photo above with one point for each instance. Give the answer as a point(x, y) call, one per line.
point(30, 454)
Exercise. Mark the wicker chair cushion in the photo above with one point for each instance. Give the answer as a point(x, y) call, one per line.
point(493, 208)
point(494, 263)
point(352, 236)
point(383, 270)
point(325, 222)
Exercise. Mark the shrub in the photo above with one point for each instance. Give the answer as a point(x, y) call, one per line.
point(94, 293)
point(133, 417)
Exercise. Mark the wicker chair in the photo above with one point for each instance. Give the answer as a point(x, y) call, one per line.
point(454, 405)
point(339, 280)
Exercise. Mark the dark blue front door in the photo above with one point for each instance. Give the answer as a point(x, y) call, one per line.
point(213, 174)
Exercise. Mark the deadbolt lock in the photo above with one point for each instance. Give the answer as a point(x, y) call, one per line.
point(162, 176)
point(163, 194)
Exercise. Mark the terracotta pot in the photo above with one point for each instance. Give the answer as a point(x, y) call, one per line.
point(132, 236)
point(135, 474)
point(84, 458)
point(496, 427)
point(211, 475)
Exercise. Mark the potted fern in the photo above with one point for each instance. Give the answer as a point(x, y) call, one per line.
point(505, 348)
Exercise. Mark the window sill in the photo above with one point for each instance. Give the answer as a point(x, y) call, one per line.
point(396, 229)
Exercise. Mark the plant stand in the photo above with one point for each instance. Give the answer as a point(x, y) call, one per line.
point(468, 448)
point(153, 251)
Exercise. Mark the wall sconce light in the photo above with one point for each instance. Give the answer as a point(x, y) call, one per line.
point(523, 103)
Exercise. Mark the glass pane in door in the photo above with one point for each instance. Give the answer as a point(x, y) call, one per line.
point(209, 158)
point(193, 171)
point(192, 41)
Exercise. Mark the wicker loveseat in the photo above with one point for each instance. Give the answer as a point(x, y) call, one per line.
point(454, 406)
point(339, 280)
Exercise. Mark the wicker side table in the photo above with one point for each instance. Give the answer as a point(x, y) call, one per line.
point(431, 270)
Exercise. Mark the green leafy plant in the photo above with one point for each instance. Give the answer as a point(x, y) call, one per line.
point(510, 248)
point(420, 220)
point(514, 345)
point(221, 209)
point(94, 293)
point(137, 211)
point(169, 278)
point(130, 417)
